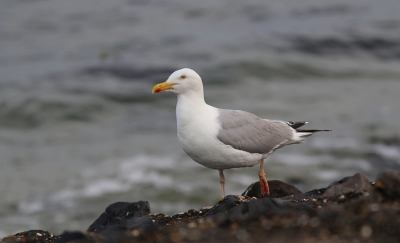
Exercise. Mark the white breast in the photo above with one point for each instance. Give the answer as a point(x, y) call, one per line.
point(198, 127)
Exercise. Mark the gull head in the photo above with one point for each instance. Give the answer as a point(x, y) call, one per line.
point(180, 82)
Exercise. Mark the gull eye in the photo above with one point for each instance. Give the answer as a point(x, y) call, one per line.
point(183, 76)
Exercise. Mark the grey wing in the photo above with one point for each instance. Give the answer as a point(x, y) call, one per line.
point(248, 132)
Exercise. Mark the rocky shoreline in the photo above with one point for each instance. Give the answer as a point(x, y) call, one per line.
point(349, 210)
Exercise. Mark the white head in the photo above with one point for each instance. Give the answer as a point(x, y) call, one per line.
point(182, 81)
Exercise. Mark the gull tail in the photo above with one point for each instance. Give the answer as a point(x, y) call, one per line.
point(306, 133)
point(302, 133)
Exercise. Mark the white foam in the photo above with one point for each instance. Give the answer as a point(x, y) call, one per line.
point(390, 152)
point(31, 206)
point(107, 177)
point(328, 175)
point(100, 187)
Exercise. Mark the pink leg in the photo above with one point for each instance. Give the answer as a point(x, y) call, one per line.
point(222, 181)
point(263, 180)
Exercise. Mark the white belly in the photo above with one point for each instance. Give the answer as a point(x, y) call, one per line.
point(218, 156)
point(198, 138)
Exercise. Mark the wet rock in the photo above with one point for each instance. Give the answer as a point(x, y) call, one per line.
point(388, 184)
point(311, 198)
point(226, 203)
point(77, 236)
point(354, 186)
point(124, 218)
point(277, 189)
point(32, 236)
point(161, 219)
point(349, 210)
point(253, 209)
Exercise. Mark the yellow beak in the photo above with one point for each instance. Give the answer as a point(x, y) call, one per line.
point(161, 86)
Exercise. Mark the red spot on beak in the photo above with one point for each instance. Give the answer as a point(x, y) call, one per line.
point(157, 90)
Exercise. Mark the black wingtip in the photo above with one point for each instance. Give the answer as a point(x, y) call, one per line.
point(312, 130)
point(296, 125)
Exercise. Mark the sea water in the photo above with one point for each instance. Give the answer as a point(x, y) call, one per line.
point(80, 129)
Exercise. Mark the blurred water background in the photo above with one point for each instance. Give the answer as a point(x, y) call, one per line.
point(79, 128)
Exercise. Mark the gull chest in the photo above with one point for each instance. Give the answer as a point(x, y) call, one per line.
point(197, 133)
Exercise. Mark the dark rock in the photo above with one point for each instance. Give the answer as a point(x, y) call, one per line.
point(354, 186)
point(123, 218)
point(225, 204)
point(253, 209)
point(388, 184)
point(76, 236)
point(277, 189)
point(349, 210)
point(120, 210)
point(308, 198)
point(161, 219)
point(32, 236)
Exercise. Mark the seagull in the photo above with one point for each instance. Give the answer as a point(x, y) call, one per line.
point(222, 139)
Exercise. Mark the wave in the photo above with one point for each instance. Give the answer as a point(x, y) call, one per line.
point(106, 178)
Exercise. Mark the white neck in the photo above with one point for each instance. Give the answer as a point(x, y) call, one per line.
point(190, 105)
